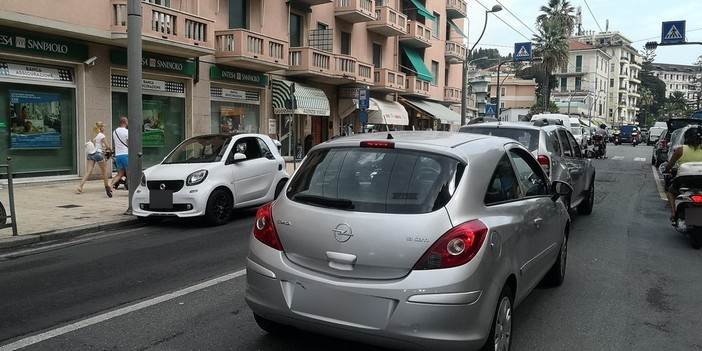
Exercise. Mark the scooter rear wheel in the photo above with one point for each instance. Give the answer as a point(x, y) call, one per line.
point(696, 238)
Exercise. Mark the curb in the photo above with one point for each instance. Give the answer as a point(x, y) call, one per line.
point(63, 234)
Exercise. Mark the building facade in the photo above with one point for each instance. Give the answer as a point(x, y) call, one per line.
point(302, 71)
point(682, 78)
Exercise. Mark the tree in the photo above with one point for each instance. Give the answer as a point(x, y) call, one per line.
point(559, 12)
point(645, 103)
point(552, 45)
point(698, 83)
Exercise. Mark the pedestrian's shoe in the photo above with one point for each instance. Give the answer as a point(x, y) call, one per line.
point(108, 191)
point(79, 189)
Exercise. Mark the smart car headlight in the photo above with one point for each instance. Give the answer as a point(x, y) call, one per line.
point(196, 177)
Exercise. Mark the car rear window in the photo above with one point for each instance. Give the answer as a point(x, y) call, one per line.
point(627, 129)
point(376, 180)
point(527, 137)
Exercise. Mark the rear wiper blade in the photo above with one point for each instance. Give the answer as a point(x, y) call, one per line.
point(344, 204)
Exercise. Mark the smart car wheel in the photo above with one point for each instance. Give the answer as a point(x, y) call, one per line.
point(219, 207)
point(500, 336)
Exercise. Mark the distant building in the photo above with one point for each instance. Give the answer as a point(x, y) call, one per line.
point(682, 78)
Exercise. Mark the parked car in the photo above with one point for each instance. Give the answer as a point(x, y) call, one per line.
point(660, 149)
point(210, 176)
point(625, 133)
point(412, 240)
point(556, 150)
point(655, 132)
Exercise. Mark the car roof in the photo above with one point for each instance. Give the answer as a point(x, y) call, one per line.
point(675, 123)
point(514, 125)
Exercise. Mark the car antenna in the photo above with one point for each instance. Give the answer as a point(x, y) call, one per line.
point(390, 136)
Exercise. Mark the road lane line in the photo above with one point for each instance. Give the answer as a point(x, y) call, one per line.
point(661, 190)
point(116, 313)
point(640, 159)
point(618, 157)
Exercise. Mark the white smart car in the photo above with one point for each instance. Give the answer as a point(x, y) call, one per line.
point(210, 176)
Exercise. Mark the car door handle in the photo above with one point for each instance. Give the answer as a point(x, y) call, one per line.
point(538, 221)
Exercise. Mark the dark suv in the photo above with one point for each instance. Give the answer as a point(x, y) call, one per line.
point(625, 133)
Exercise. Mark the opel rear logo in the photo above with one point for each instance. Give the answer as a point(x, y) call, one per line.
point(342, 232)
point(162, 186)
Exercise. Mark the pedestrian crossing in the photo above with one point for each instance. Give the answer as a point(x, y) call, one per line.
point(636, 159)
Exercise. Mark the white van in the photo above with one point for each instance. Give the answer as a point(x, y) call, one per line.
point(655, 132)
point(559, 116)
point(572, 123)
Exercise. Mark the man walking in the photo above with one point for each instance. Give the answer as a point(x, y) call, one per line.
point(121, 139)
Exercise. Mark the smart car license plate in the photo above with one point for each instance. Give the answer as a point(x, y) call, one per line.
point(161, 199)
point(693, 216)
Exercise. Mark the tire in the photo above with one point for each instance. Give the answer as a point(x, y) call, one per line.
point(696, 239)
point(653, 159)
point(585, 207)
point(3, 215)
point(556, 275)
point(500, 337)
point(219, 207)
point(279, 188)
point(150, 219)
point(269, 326)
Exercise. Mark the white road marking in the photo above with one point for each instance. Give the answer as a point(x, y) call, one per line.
point(640, 159)
point(116, 313)
point(661, 190)
point(618, 157)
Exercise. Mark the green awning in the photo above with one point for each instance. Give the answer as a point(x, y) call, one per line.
point(418, 62)
point(423, 10)
point(457, 28)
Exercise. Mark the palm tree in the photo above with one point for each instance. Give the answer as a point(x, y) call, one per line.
point(559, 11)
point(645, 103)
point(551, 44)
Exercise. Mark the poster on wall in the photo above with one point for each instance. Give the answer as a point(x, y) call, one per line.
point(153, 132)
point(35, 120)
point(231, 119)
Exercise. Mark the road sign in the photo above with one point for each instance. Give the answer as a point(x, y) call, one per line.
point(490, 109)
point(673, 32)
point(363, 98)
point(522, 51)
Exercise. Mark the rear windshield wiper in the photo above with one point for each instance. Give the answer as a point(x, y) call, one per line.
point(344, 204)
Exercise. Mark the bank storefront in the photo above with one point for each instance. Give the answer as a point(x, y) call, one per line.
point(235, 100)
point(163, 101)
point(38, 103)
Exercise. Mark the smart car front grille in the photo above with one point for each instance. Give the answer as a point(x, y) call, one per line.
point(174, 185)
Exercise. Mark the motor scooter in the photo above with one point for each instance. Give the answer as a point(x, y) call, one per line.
point(634, 138)
point(616, 138)
point(598, 145)
point(688, 204)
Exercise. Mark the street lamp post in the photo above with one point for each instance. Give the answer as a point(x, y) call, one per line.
point(464, 80)
point(497, 99)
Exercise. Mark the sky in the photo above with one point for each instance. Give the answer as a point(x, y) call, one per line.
point(638, 20)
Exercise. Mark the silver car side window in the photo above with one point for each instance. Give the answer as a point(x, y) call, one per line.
point(503, 185)
point(529, 173)
point(563, 137)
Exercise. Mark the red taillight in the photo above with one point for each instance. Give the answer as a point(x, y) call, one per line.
point(545, 163)
point(454, 248)
point(264, 230)
point(696, 198)
point(378, 144)
point(664, 143)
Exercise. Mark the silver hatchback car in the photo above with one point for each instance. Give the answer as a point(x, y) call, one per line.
point(558, 152)
point(411, 240)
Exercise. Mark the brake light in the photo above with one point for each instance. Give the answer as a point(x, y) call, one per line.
point(378, 144)
point(664, 143)
point(457, 247)
point(696, 198)
point(264, 229)
point(545, 163)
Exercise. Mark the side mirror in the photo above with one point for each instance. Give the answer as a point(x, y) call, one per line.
point(237, 157)
point(559, 189)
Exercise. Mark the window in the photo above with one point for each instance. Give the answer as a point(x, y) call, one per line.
point(563, 138)
point(345, 43)
point(578, 63)
point(574, 144)
point(436, 26)
point(503, 91)
point(377, 55)
point(564, 83)
point(295, 30)
point(611, 83)
point(503, 185)
point(578, 83)
point(529, 174)
point(164, 3)
point(435, 73)
point(250, 147)
point(238, 12)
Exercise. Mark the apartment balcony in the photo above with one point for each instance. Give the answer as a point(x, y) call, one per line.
point(354, 11)
point(388, 22)
point(624, 59)
point(635, 80)
point(452, 95)
point(251, 50)
point(416, 87)
point(388, 81)
point(349, 70)
point(325, 67)
point(418, 35)
point(455, 50)
point(570, 71)
point(456, 9)
point(166, 30)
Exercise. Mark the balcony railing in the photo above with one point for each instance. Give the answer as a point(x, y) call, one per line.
point(166, 23)
point(455, 50)
point(311, 59)
point(456, 9)
point(388, 22)
point(418, 35)
point(416, 86)
point(452, 94)
point(354, 11)
point(365, 73)
point(388, 80)
point(260, 50)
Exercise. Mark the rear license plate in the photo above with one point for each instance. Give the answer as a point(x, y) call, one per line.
point(693, 216)
point(161, 199)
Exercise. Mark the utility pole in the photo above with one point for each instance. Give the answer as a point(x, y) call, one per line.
point(134, 110)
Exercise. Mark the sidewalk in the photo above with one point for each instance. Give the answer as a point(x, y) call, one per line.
point(51, 209)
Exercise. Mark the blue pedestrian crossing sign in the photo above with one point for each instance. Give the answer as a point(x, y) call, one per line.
point(522, 51)
point(673, 32)
point(490, 109)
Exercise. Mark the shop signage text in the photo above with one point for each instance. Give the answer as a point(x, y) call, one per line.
point(239, 76)
point(41, 45)
point(156, 62)
point(35, 72)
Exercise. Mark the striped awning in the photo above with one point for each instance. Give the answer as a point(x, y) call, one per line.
point(387, 112)
point(439, 111)
point(307, 100)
